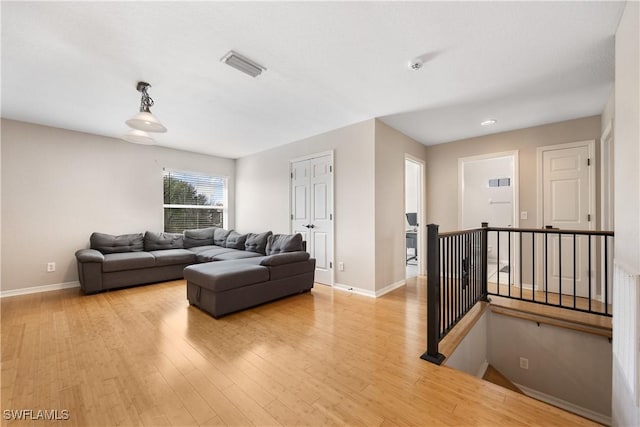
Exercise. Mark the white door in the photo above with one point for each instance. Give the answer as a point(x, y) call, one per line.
point(312, 211)
point(566, 204)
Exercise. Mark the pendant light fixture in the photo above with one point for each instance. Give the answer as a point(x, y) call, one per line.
point(138, 136)
point(144, 120)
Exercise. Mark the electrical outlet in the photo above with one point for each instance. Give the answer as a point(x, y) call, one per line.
point(51, 266)
point(341, 266)
point(524, 215)
point(524, 363)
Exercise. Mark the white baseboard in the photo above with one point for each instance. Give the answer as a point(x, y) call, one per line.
point(567, 406)
point(36, 289)
point(367, 292)
point(359, 291)
point(389, 288)
point(482, 370)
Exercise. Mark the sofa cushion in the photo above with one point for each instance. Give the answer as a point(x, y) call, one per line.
point(236, 240)
point(110, 244)
point(127, 261)
point(279, 243)
point(284, 258)
point(220, 236)
point(257, 242)
point(173, 256)
point(222, 276)
point(292, 269)
point(236, 255)
point(208, 255)
point(198, 237)
point(157, 241)
point(200, 249)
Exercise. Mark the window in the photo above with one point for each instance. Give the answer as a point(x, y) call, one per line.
point(193, 200)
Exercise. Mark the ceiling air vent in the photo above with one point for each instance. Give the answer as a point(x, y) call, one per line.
point(243, 64)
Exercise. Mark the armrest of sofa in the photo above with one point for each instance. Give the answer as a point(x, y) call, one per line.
point(284, 258)
point(90, 270)
point(89, 255)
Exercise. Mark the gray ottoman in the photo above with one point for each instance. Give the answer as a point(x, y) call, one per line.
point(221, 288)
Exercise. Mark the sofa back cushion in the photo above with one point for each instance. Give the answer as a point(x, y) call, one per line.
point(198, 237)
point(280, 243)
point(257, 242)
point(110, 244)
point(220, 236)
point(158, 241)
point(235, 240)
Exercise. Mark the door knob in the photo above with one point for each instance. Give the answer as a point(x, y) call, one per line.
point(311, 226)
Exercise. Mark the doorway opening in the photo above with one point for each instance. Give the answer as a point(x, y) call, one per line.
point(413, 216)
point(488, 192)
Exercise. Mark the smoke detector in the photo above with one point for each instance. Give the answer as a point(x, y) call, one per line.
point(415, 64)
point(244, 64)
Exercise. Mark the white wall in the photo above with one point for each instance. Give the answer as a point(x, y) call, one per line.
point(478, 196)
point(411, 186)
point(263, 196)
point(59, 186)
point(626, 411)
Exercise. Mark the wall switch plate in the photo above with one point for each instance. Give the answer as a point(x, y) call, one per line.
point(524, 215)
point(524, 363)
point(341, 266)
point(51, 266)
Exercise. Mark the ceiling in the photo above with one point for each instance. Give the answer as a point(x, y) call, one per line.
point(75, 65)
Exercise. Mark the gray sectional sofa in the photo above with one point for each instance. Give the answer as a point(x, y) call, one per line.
point(226, 271)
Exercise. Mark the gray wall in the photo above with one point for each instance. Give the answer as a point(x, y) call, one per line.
point(263, 195)
point(570, 365)
point(58, 186)
point(369, 198)
point(442, 165)
point(391, 147)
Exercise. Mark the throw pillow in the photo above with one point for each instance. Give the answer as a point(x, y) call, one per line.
point(236, 240)
point(220, 236)
point(257, 242)
point(110, 244)
point(158, 241)
point(198, 237)
point(279, 243)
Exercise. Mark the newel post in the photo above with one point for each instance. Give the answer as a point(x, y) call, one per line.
point(433, 296)
point(483, 267)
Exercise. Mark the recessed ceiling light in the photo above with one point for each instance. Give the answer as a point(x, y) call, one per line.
point(489, 122)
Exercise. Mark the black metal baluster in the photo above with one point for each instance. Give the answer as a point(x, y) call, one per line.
point(606, 276)
point(520, 236)
point(546, 272)
point(589, 270)
point(509, 261)
point(498, 261)
point(533, 266)
point(560, 270)
point(574, 271)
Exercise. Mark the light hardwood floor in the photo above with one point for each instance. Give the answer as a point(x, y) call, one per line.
point(142, 356)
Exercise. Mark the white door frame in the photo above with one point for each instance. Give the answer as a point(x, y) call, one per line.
point(331, 209)
point(421, 243)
